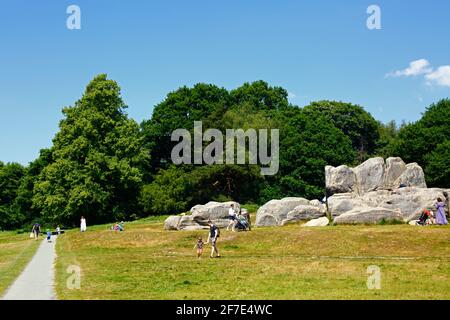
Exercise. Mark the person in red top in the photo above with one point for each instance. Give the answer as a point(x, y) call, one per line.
point(426, 215)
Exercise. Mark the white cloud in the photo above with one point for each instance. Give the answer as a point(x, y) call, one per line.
point(417, 67)
point(440, 77)
point(291, 95)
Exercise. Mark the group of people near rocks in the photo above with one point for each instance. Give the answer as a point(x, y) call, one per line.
point(427, 217)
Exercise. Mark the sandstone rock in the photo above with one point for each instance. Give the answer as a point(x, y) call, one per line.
point(394, 169)
point(195, 228)
point(275, 211)
point(368, 216)
point(317, 203)
point(171, 223)
point(413, 176)
point(266, 220)
point(344, 202)
point(339, 180)
point(370, 175)
point(304, 213)
point(320, 222)
point(200, 214)
point(411, 201)
point(213, 210)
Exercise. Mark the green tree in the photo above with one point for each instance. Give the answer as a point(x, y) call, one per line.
point(437, 169)
point(23, 203)
point(11, 175)
point(307, 145)
point(353, 120)
point(203, 102)
point(260, 96)
point(98, 157)
point(423, 142)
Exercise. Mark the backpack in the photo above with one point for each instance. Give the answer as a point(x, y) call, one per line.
point(213, 231)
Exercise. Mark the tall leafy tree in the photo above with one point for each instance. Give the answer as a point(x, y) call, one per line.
point(425, 141)
point(97, 160)
point(307, 145)
point(203, 102)
point(353, 120)
point(11, 176)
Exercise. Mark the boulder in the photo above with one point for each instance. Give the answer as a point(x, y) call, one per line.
point(213, 210)
point(320, 222)
point(275, 211)
point(411, 201)
point(266, 220)
point(413, 176)
point(368, 216)
point(394, 169)
point(172, 222)
point(344, 202)
point(200, 214)
point(339, 180)
point(317, 203)
point(304, 213)
point(370, 175)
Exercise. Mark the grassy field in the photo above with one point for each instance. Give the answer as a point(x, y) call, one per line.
point(16, 250)
point(146, 262)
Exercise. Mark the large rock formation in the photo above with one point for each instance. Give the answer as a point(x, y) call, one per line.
point(372, 175)
point(280, 212)
point(390, 190)
point(200, 214)
point(368, 216)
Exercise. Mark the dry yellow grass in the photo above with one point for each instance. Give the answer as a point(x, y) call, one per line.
point(16, 250)
point(146, 262)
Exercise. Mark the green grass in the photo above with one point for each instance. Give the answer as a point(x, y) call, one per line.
point(16, 250)
point(146, 262)
point(251, 207)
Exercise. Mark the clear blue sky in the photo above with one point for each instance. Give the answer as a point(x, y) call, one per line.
point(314, 49)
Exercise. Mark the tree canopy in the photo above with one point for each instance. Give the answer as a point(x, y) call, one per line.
point(97, 160)
point(104, 166)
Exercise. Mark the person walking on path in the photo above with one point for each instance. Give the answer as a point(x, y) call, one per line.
point(212, 236)
point(440, 215)
point(36, 230)
point(232, 217)
point(37, 280)
point(83, 227)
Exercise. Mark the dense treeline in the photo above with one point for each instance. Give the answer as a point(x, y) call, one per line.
point(106, 167)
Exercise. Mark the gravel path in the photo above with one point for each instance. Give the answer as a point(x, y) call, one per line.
point(36, 281)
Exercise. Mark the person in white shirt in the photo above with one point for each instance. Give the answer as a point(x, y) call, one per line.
point(83, 224)
point(232, 217)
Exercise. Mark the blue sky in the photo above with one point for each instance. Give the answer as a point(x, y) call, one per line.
point(315, 49)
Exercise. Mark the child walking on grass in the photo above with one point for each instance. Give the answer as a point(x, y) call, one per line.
point(199, 246)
